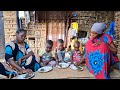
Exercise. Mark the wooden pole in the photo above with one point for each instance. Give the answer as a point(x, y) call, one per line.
point(2, 37)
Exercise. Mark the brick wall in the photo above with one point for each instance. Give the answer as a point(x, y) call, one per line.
point(117, 28)
point(50, 28)
point(87, 18)
point(37, 32)
point(10, 25)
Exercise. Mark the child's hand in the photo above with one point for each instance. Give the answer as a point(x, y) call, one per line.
point(57, 63)
point(25, 71)
point(77, 63)
point(42, 64)
point(72, 62)
point(82, 59)
point(45, 63)
point(55, 50)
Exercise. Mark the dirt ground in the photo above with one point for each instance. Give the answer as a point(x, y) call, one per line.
point(71, 74)
point(68, 73)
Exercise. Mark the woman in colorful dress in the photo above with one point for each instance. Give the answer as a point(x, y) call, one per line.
point(100, 52)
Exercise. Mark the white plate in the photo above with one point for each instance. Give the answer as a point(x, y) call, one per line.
point(73, 67)
point(45, 69)
point(63, 65)
point(25, 76)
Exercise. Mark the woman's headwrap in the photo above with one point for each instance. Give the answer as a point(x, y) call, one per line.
point(98, 27)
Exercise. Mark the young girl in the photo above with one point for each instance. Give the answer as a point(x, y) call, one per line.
point(76, 54)
point(73, 39)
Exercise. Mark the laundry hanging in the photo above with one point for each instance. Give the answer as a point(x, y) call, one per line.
point(27, 18)
point(21, 15)
point(34, 15)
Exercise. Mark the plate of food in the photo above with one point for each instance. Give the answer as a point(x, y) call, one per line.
point(45, 69)
point(25, 76)
point(73, 67)
point(63, 65)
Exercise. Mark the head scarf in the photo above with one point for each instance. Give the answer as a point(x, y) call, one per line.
point(98, 27)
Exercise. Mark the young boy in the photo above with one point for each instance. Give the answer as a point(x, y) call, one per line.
point(46, 55)
point(59, 51)
point(67, 54)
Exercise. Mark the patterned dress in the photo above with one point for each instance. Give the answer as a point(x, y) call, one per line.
point(76, 56)
point(47, 58)
point(100, 58)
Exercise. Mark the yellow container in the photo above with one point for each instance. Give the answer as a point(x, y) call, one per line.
point(74, 25)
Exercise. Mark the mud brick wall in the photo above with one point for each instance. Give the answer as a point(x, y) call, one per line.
point(36, 34)
point(50, 26)
point(87, 18)
point(117, 28)
point(10, 25)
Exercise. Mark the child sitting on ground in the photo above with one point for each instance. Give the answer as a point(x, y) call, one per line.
point(76, 57)
point(67, 54)
point(59, 51)
point(46, 55)
point(73, 39)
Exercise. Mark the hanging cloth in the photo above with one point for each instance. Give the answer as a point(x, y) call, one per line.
point(34, 15)
point(74, 26)
point(21, 15)
point(27, 18)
